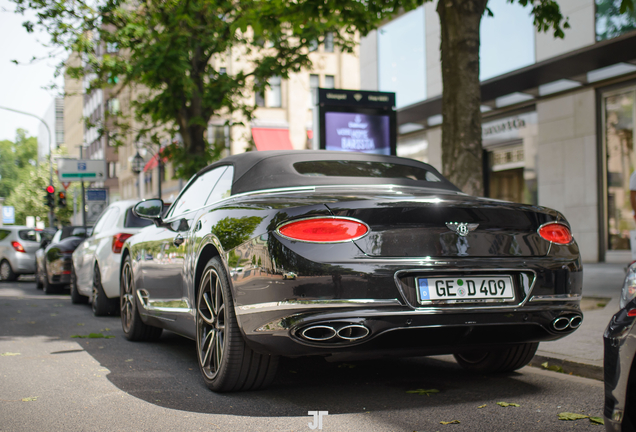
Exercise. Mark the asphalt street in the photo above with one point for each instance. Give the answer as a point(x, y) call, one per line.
point(50, 380)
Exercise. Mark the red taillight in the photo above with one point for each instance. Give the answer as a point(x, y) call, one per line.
point(17, 246)
point(118, 241)
point(631, 313)
point(324, 230)
point(556, 233)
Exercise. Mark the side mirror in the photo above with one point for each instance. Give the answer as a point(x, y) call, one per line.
point(150, 209)
point(44, 243)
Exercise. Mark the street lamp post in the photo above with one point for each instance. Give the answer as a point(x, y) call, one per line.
point(51, 215)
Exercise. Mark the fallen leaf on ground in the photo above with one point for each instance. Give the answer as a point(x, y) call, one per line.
point(571, 416)
point(129, 360)
point(597, 420)
point(80, 324)
point(553, 368)
point(106, 329)
point(482, 406)
point(423, 391)
point(449, 422)
point(93, 336)
point(29, 399)
point(507, 404)
point(6, 354)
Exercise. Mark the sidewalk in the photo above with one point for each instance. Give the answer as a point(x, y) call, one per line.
point(581, 353)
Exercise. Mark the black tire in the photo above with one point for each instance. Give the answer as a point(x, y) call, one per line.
point(505, 360)
point(6, 272)
point(76, 297)
point(225, 361)
point(101, 304)
point(38, 280)
point(132, 325)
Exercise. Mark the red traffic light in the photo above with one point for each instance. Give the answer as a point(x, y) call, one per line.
point(61, 195)
point(50, 189)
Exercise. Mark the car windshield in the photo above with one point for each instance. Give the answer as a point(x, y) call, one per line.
point(28, 235)
point(343, 168)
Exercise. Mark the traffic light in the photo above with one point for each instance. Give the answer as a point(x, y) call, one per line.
point(50, 196)
point(61, 199)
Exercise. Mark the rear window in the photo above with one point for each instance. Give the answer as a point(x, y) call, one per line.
point(28, 235)
point(73, 232)
point(364, 169)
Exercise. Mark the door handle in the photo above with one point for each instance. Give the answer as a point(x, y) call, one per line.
point(178, 240)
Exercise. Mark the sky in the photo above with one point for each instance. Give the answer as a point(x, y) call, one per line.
point(21, 85)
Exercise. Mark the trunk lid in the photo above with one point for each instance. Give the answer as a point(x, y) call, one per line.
point(410, 224)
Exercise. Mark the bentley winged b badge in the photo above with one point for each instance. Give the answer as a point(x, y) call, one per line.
point(462, 228)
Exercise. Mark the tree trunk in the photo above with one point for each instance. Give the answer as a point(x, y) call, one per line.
point(461, 98)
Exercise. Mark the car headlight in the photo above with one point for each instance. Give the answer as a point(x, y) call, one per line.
point(629, 287)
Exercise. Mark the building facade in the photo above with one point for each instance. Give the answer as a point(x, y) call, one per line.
point(557, 115)
point(54, 118)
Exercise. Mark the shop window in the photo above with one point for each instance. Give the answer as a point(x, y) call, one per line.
point(621, 161)
point(610, 23)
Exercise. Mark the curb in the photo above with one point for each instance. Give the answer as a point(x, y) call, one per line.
point(568, 367)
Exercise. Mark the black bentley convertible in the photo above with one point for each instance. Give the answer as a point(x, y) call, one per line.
point(346, 256)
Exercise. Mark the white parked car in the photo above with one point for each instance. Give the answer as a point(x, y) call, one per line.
point(96, 262)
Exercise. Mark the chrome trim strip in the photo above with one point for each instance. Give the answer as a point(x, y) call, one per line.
point(556, 297)
point(322, 217)
point(163, 305)
point(313, 304)
point(443, 305)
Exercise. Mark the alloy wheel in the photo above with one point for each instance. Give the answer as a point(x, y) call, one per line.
point(126, 302)
point(211, 318)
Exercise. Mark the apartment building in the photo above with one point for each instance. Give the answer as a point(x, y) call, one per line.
point(557, 115)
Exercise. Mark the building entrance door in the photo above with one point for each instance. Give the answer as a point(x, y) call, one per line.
point(507, 185)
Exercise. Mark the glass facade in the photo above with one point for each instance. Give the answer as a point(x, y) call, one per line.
point(610, 22)
point(499, 53)
point(618, 119)
point(402, 58)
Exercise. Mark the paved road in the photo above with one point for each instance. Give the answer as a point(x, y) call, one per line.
point(112, 384)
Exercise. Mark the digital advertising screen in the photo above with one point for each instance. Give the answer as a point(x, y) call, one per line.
point(364, 133)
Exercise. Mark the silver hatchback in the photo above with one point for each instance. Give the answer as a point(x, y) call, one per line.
point(17, 251)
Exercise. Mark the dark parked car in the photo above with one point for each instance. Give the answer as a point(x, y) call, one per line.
point(619, 367)
point(54, 259)
point(387, 257)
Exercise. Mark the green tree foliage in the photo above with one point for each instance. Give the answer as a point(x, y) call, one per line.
point(613, 18)
point(15, 158)
point(28, 195)
point(169, 52)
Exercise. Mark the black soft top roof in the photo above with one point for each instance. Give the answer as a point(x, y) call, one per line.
point(258, 170)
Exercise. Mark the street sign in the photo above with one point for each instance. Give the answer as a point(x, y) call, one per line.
point(70, 170)
point(66, 185)
point(8, 215)
point(96, 202)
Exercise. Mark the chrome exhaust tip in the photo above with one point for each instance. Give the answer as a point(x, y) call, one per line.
point(561, 323)
point(576, 321)
point(318, 333)
point(353, 332)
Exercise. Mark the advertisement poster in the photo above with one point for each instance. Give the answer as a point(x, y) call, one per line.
point(355, 132)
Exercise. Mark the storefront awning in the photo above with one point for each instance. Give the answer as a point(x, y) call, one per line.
point(574, 65)
point(271, 139)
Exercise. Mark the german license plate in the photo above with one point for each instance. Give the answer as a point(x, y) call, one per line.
point(464, 288)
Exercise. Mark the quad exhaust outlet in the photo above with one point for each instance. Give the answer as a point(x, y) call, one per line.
point(567, 322)
point(324, 333)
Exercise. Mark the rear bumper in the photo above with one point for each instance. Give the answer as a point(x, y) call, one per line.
point(22, 263)
point(399, 331)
